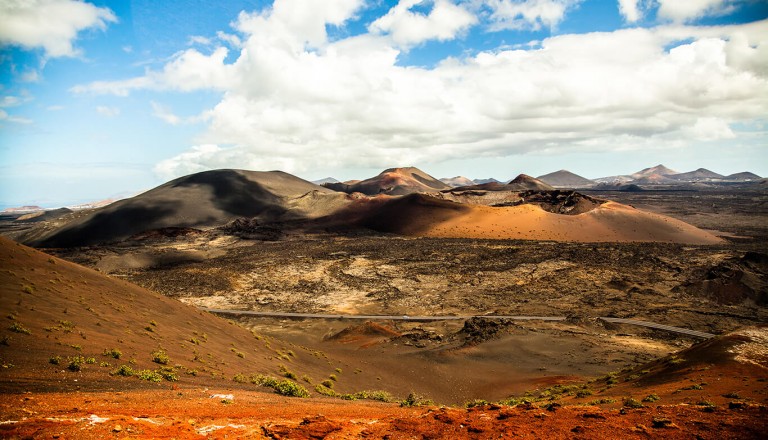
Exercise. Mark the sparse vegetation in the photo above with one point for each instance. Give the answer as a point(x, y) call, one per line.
point(55, 360)
point(632, 403)
point(28, 289)
point(75, 363)
point(381, 396)
point(414, 399)
point(651, 398)
point(601, 402)
point(327, 383)
point(16, 327)
point(325, 391)
point(123, 370)
point(283, 387)
point(475, 402)
point(149, 375)
point(114, 352)
point(160, 357)
point(240, 378)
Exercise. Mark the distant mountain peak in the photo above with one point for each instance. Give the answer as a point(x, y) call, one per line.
point(658, 169)
point(565, 179)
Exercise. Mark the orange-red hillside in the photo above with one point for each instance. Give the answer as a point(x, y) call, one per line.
point(68, 327)
point(424, 216)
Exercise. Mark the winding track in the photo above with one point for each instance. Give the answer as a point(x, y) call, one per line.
point(652, 325)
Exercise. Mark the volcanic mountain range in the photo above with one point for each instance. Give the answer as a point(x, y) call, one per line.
point(404, 201)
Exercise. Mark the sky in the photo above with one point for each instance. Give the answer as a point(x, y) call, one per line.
point(105, 99)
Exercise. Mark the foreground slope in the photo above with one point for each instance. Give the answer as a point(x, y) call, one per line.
point(714, 390)
point(209, 198)
point(58, 315)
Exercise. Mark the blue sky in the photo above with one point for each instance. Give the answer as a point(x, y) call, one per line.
point(107, 98)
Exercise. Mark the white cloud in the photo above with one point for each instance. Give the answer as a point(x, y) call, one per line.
point(197, 39)
point(630, 10)
point(4, 116)
point(295, 101)
point(164, 113)
point(109, 112)
point(188, 70)
point(528, 14)
point(50, 24)
point(687, 10)
point(406, 27)
point(30, 76)
point(54, 108)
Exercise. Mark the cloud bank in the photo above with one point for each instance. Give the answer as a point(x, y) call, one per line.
point(294, 100)
point(49, 24)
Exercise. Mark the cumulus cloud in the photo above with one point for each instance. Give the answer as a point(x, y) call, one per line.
point(50, 24)
point(528, 14)
point(407, 27)
point(684, 11)
point(630, 10)
point(188, 70)
point(294, 100)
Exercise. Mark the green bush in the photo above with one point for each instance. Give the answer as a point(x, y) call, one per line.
point(283, 387)
point(476, 402)
point(651, 398)
point(56, 360)
point(240, 378)
point(414, 399)
point(115, 353)
point(168, 374)
point(75, 363)
point(18, 328)
point(325, 391)
point(160, 357)
point(123, 370)
point(327, 383)
point(632, 403)
point(290, 388)
point(149, 375)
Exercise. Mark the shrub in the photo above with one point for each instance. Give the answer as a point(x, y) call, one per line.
point(18, 328)
point(651, 398)
point(149, 375)
point(601, 401)
point(325, 391)
point(56, 360)
point(160, 357)
point(115, 353)
point(632, 403)
point(123, 370)
point(283, 387)
point(584, 393)
point(327, 383)
point(475, 402)
point(168, 374)
point(333, 377)
point(90, 360)
point(28, 289)
point(414, 399)
point(75, 363)
point(240, 378)
point(290, 388)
